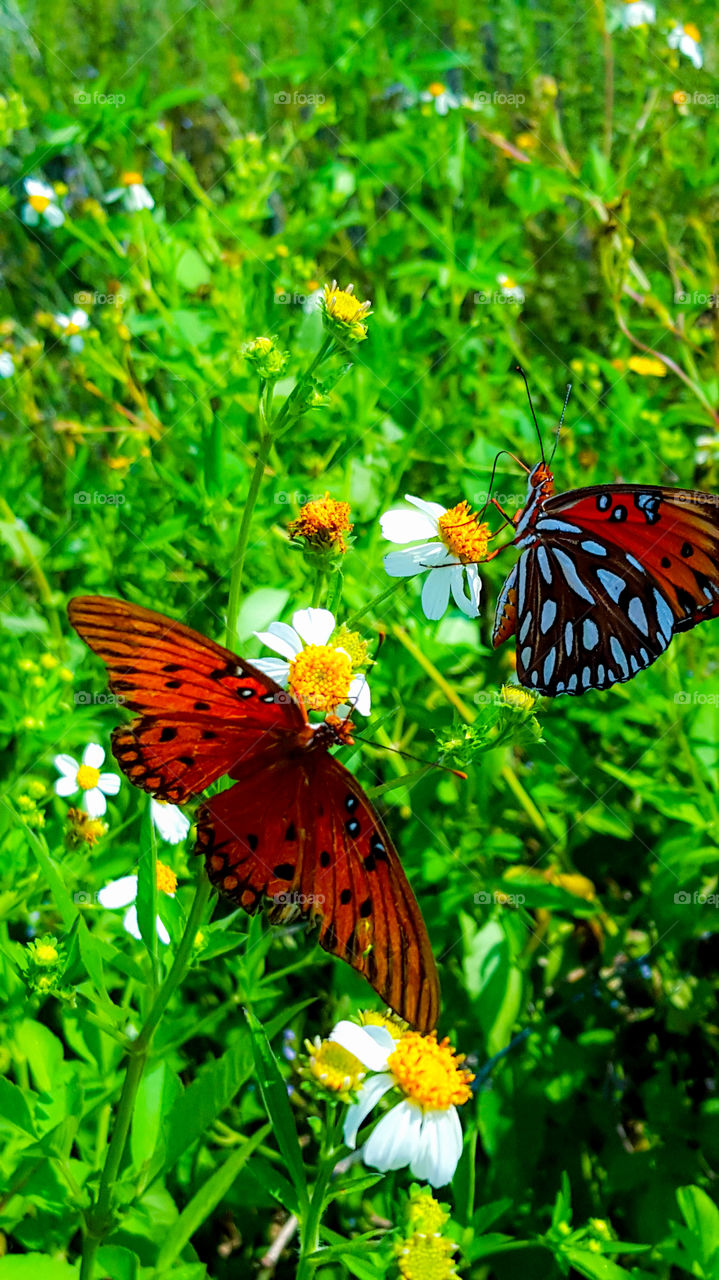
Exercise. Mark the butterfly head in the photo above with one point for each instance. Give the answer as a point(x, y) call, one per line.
point(540, 482)
point(332, 732)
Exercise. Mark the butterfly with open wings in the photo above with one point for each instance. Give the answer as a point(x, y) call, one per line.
point(295, 831)
point(607, 575)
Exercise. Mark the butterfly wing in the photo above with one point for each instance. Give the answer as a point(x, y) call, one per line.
point(202, 709)
point(673, 533)
point(611, 574)
point(303, 836)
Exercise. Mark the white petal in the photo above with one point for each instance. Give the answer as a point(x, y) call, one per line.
point(94, 802)
point(66, 786)
point(368, 1096)
point(282, 638)
point(275, 668)
point(109, 783)
point(35, 188)
point(382, 1037)
point(66, 765)
point(433, 509)
point(440, 1146)
point(54, 215)
point(460, 599)
point(404, 564)
point(435, 593)
point(359, 695)
point(129, 922)
point(315, 626)
point(170, 821)
point(93, 755)
point(474, 582)
point(76, 343)
point(30, 216)
point(162, 933)
point(80, 318)
point(365, 1047)
point(395, 1140)
point(407, 526)
point(118, 893)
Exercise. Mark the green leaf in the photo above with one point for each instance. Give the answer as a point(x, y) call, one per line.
point(14, 1109)
point(274, 1095)
point(192, 270)
point(206, 1199)
point(259, 609)
point(36, 1266)
point(43, 1051)
point(158, 1090)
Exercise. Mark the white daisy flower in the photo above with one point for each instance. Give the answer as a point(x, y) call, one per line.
point(441, 98)
point(86, 777)
point(422, 1131)
point(460, 543)
point(72, 327)
point(123, 893)
point(133, 193)
point(316, 672)
point(7, 365)
point(638, 13)
point(169, 821)
point(41, 205)
point(687, 39)
point(509, 289)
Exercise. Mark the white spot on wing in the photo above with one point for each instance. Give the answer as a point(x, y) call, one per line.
point(572, 683)
point(619, 655)
point(556, 526)
point(573, 579)
point(526, 656)
point(544, 565)
point(521, 583)
point(590, 634)
point(636, 563)
point(549, 613)
point(594, 548)
point(665, 617)
point(638, 616)
point(526, 624)
point(600, 674)
point(549, 662)
point(569, 638)
point(612, 583)
point(586, 677)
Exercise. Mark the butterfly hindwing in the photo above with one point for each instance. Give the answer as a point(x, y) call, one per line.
point(302, 837)
point(588, 616)
point(202, 709)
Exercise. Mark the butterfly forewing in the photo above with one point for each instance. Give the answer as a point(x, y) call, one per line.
point(304, 837)
point(202, 708)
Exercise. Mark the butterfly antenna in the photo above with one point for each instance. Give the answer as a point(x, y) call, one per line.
point(560, 424)
point(522, 374)
point(430, 764)
point(491, 478)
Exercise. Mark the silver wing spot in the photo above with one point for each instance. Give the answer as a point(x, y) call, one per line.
point(636, 563)
point(572, 682)
point(612, 583)
point(600, 674)
point(619, 655)
point(572, 578)
point(594, 548)
point(590, 634)
point(526, 624)
point(665, 617)
point(638, 616)
point(549, 613)
point(556, 526)
point(586, 677)
point(549, 662)
point(544, 565)
point(527, 655)
point(569, 638)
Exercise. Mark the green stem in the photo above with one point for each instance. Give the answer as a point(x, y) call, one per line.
point(291, 408)
point(374, 603)
point(41, 582)
point(317, 589)
point(310, 1227)
point(99, 1219)
point(238, 556)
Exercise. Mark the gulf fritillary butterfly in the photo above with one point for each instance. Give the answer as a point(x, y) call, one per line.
point(295, 830)
point(607, 575)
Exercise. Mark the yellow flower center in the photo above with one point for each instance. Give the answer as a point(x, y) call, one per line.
point(692, 31)
point(39, 203)
point(461, 533)
point(342, 304)
point(320, 677)
point(429, 1072)
point(71, 328)
point(425, 1214)
point(132, 179)
point(335, 1068)
point(647, 366)
point(436, 88)
point(166, 878)
point(426, 1257)
point(518, 698)
point(45, 953)
point(323, 522)
point(507, 282)
point(87, 777)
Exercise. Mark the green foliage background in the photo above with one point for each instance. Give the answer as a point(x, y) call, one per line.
point(581, 175)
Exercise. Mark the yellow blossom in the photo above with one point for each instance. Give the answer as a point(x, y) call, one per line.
point(647, 366)
point(461, 533)
point(430, 1072)
point(344, 314)
point(335, 1068)
point(323, 522)
point(166, 878)
point(320, 677)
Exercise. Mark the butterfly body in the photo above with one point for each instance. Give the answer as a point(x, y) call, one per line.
point(295, 833)
point(607, 575)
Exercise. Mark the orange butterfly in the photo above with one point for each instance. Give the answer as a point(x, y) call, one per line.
point(295, 831)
